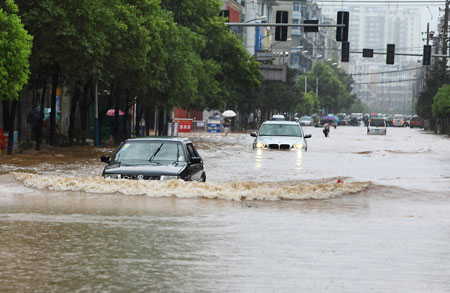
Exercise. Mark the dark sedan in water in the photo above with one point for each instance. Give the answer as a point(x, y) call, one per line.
point(155, 158)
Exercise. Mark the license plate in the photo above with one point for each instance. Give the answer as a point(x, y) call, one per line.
point(377, 130)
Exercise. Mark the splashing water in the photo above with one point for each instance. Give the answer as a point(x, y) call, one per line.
point(290, 190)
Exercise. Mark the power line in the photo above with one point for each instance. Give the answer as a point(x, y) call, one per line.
point(389, 81)
point(384, 72)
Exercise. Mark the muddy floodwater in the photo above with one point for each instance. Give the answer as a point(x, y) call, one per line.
point(355, 213)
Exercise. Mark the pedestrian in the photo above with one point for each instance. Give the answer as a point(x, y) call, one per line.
point(226, 125)
point(326, 128)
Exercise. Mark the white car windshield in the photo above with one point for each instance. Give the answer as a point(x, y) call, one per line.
point(280, 130)
point(144, 151)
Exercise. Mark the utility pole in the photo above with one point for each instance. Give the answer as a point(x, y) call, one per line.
point(445, 46)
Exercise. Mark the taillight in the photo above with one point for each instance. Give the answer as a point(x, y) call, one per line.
point(393, 121)
point(403, 121)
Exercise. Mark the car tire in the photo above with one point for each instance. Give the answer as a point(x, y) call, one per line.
point(203, 179)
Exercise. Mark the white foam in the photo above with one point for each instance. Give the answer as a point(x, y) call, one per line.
point(292, 190)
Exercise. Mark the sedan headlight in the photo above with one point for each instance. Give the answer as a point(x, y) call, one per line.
point(260, 145)
point(113, 176)
point(298, 146)
point(169, 177)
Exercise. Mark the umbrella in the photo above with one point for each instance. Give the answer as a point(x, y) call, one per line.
point(330, 117)
point(112, 112)
point(229, 113)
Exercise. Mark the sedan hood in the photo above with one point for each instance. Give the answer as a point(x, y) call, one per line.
point(279, 139)
point(146, 170)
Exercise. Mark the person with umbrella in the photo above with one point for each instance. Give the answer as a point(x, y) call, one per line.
point(228, 114)
point(326, 128)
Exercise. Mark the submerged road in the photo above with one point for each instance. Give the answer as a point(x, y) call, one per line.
point(264, 221)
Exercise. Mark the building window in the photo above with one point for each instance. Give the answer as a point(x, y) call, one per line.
point(296, 6)
point(295, 21)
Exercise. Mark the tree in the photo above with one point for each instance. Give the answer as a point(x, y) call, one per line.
point(224, 57)
point(433, 82)
point(441, 103)
point(334, 87)
point(15, 49)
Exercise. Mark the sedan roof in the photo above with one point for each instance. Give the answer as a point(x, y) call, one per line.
point(160, 138)
point(281, 122)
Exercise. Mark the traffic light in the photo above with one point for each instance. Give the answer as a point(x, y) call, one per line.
point(225, 14)
point(345, 53)
point(390, 53)
point(426, 55)
point(310, 29)
point(368, 53)
point(342, 32)
point(281, 31)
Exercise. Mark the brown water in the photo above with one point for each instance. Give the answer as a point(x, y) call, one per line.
point(264, 221)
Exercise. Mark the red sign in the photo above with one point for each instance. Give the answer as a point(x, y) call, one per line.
point(184, 125)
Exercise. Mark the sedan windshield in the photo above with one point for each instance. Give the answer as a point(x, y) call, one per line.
point(149, 151)
point(280, 130)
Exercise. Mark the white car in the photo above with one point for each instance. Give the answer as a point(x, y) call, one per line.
point(377, 126)
point(398, 121)
point(278, 117)
point(306, 121)
point(280, 135)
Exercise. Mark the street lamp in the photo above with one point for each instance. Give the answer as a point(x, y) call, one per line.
point(263, 18)
point(276, 43)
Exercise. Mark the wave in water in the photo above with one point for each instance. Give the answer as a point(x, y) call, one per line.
point(290, 190)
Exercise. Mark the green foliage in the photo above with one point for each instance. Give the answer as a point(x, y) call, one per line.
point(15, 49)
point(441, 103)
point(309, 104)
point(432, 83)
point(334, 87)
point(235, 72)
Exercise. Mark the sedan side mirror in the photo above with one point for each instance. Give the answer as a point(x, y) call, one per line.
point(196, 160)
point(105, 159)
point(253, 134)
point(308, 135)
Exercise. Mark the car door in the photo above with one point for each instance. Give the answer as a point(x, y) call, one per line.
point(195, 169)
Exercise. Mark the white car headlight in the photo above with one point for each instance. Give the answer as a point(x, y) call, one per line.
point(298, 146)
point(169, 177)
point(113, 176)
point(260, 145)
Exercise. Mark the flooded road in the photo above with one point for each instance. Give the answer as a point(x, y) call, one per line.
point(263, 222)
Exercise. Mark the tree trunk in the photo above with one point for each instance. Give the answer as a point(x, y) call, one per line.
point(116, 124)
point(12, 120)
point(84, 113)
point(55, 80)
point(73, 109)
point(102, 114)
point(40, 131)
point(127, 120)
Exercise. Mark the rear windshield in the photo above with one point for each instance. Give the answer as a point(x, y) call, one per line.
point(377, 122)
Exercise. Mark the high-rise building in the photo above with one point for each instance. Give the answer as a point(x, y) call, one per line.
point(374, 28)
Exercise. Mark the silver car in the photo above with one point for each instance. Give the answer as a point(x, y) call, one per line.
point(280, 135)
point(377, 126)
point(306, 121)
